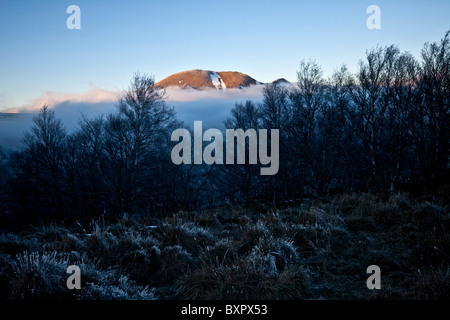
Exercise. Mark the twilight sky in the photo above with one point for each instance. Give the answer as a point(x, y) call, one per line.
point(265, 39)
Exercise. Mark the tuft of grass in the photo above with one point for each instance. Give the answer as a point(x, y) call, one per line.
point(39, 276)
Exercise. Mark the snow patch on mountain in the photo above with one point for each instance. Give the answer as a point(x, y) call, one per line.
point(217, 80)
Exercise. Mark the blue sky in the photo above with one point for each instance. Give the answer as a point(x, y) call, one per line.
point(265, 39)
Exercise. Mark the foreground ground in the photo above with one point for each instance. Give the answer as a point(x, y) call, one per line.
point(308, 249)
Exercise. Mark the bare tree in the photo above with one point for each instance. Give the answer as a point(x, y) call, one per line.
point(434, 114)
point(240, 182)
point(399, 152)
point(275, 111)
point(41, 166)
point(372, 99)
point(338, 153)
point(133, 138)
point(307, 102)
point(84, 166)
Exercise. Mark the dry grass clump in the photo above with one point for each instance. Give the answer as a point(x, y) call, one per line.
point(38, 276)
point(255, 277)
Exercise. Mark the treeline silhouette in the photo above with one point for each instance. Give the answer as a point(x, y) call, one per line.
point(383, 127)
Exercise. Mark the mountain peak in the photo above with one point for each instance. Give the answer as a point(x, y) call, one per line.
point(201, 79)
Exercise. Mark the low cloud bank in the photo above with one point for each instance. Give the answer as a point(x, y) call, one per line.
point(53, 99)
point(210, 106)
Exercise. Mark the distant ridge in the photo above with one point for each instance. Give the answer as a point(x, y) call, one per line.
point(281, 81)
